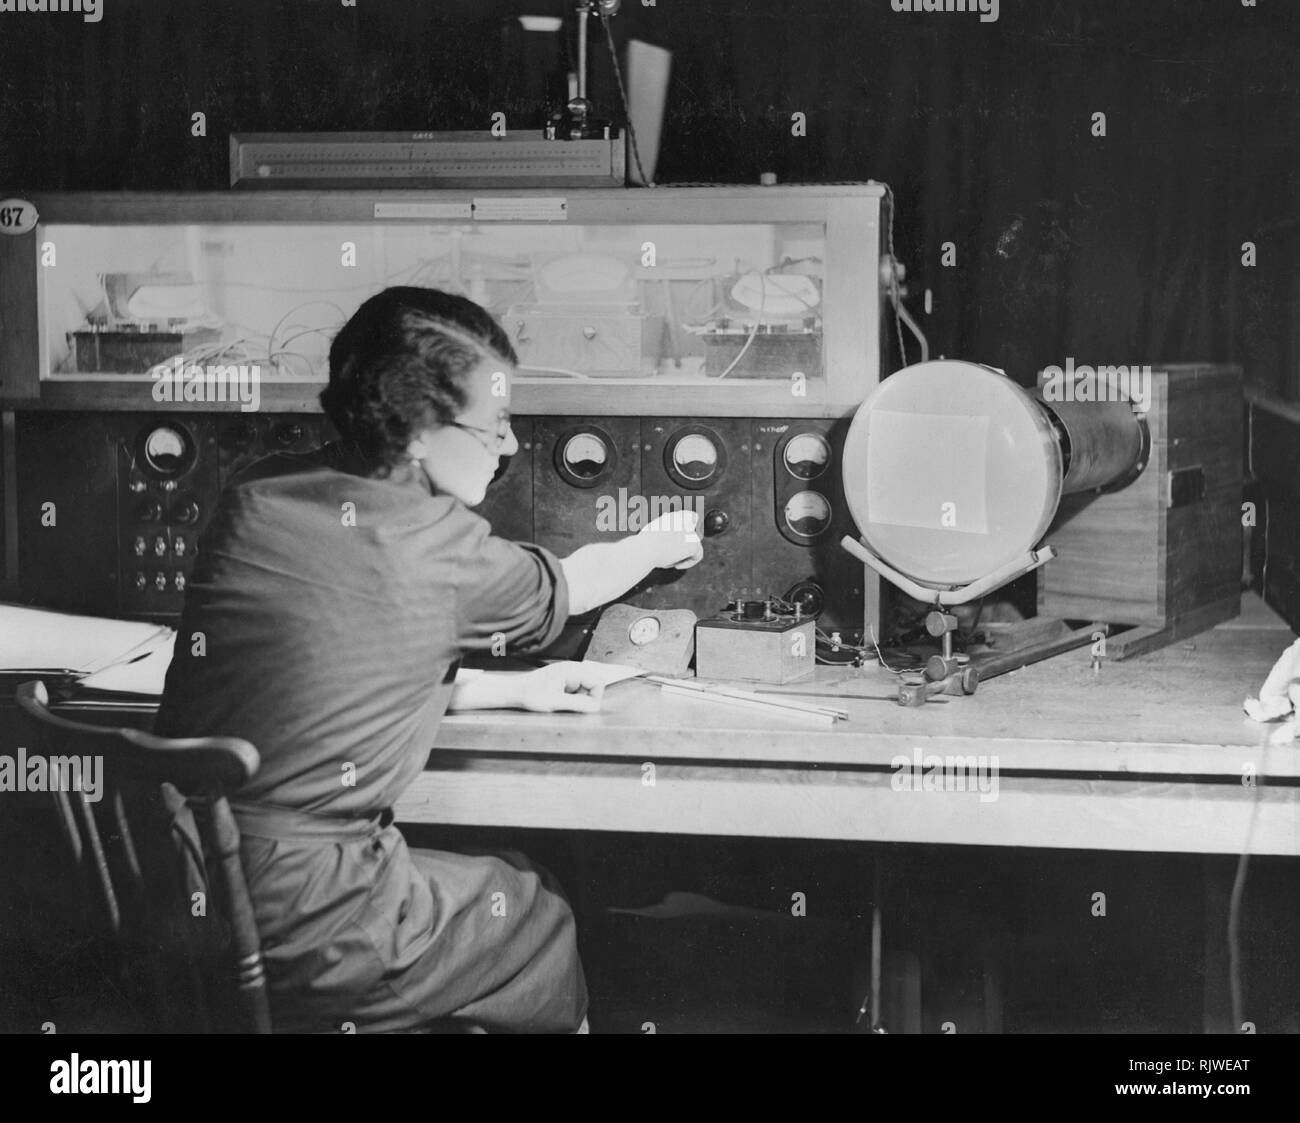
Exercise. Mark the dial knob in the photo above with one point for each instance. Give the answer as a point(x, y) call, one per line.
point(645, 630)
point(167, 451)
point(186, 510)
point(695, 459)
point(807, 455)
point(715, 522)
point(148, 511)
point(808, 597)
point(807, 513)
point(287, 434)
point(585, 455)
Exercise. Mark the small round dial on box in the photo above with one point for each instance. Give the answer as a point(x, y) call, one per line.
point(643, 631)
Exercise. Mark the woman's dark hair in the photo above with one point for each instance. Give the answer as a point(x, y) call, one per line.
point(399, 366)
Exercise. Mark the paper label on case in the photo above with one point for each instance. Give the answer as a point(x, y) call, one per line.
point(423, 210)
point(524, 208)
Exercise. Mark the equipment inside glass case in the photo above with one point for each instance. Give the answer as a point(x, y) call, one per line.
point(691, 304)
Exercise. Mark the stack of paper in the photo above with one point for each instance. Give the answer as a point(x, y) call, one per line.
point(118, 656)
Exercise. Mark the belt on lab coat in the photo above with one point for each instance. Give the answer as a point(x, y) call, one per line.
point(286, 824)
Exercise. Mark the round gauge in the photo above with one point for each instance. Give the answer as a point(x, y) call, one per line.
point(645, 630)
point(807, 513)
point(695, 457)
point(167, 451)
point(807, 455)
point(585, 455)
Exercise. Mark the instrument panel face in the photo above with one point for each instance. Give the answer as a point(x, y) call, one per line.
point(131, 494)
point(768, 493)
point(124, 498)
point(167, 488)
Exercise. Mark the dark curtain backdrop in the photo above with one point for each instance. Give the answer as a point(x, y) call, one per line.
point(1122, 249)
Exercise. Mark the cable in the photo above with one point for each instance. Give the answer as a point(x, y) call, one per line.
point(880, 658)
point(753, 331)
point(915, 329)
point(1235, 899)
point(895, 299)
point(270, 339)
point(1263, 575)
point(622, 93)
point(762, 302)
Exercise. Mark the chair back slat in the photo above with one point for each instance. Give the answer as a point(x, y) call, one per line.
point(222, 837)
point(68, 827)
point(105, 850)
point(96, 864)
point(130, 859)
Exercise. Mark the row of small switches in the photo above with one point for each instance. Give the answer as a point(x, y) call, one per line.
point(160, 582)
point(180, 547)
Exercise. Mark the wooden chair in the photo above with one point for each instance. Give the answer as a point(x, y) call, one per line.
point(169, 796)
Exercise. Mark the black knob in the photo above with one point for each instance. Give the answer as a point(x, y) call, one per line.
point(287, 434)
point(715, 522)
point(810, 598)
point(186, 510)
point(148, 511)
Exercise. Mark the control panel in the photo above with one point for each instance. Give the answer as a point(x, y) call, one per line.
point(768, 493)
point(111, 505)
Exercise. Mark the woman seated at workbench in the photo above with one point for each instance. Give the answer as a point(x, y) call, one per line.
point(333, 597)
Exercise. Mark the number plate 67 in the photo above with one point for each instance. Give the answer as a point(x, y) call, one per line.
point(17, 216)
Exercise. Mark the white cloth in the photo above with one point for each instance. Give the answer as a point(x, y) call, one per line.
point(1279, 697)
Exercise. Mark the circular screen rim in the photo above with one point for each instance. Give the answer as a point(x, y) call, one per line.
point(1032, 421)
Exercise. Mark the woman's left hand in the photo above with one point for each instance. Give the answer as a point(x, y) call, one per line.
point(570, 686)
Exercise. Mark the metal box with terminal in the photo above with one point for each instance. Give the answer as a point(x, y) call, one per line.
point(753, 641)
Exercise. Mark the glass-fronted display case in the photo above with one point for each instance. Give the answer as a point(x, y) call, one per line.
point(723, 301)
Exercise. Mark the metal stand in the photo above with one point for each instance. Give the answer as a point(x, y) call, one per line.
point(947, 673)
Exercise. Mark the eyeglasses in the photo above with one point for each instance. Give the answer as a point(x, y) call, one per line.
point(500, 434)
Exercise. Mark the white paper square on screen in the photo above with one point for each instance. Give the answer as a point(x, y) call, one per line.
point(919, 462)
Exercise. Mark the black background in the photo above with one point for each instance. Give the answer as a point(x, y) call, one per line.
point(1120, 249)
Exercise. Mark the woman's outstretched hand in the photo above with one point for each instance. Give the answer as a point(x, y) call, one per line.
point(677, 540)
point(558, 687)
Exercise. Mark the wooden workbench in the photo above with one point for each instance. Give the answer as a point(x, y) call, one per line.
point(1152, 754)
